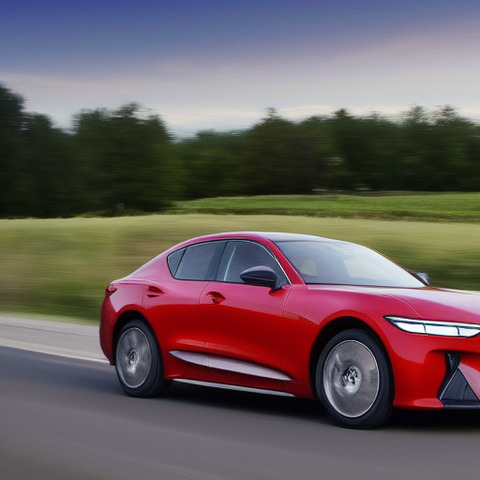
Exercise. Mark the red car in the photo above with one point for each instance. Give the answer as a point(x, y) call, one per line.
point(294, 315)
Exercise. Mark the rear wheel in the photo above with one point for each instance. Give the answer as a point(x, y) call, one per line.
point(353, 380)
point(138, 361)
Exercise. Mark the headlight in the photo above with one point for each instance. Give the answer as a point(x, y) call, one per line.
point(432, 327)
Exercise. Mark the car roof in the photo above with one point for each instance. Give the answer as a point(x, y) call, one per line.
point(257, 235)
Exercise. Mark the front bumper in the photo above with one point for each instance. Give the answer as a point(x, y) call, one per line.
point(460, 383)
point(433, 372)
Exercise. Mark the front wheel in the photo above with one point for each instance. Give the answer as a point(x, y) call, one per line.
point(138, 361)
point(353, 380)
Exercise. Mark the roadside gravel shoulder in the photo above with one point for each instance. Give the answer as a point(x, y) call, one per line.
point(50, 337)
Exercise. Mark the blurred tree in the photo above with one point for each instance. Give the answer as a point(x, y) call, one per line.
point(47, 181)
point(351, 147)
point(415, 171)
point(437, 151)
point(122, 156)
point(451, 152)
point(314, 147)
point(210, 164)
point(11, 120)
point(380, 167)
point(283, 157)
point(268, 156)
point(124, 161)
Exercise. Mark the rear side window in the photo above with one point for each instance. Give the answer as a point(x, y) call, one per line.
point(197, 262)
point(174, 260)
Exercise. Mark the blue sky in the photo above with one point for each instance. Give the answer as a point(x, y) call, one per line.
point(219, 64)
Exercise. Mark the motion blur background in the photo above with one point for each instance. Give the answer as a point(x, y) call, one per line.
point(355, 120)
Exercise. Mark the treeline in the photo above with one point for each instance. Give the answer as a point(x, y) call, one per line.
point(125, 161)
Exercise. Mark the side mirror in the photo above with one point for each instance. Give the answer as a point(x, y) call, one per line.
point(423, 277)
point(262, 276)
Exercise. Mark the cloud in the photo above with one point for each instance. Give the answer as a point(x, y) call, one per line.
point(427, 68)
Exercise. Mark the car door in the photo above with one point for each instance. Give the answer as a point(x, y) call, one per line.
point(178, 320)
point(244, 323)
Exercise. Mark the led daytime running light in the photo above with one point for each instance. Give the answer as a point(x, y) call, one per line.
point(431, 327)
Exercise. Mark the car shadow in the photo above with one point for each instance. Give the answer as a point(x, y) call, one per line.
point(237, 400)
point(311, 410)
point(441, 420)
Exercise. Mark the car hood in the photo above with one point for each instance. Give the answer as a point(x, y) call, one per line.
point(426, 303)
point(441, 304)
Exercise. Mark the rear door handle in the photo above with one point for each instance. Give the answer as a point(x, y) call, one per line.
point(216, 297)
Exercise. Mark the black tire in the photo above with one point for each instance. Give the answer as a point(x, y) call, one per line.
point(353, 380)
point(138, 361)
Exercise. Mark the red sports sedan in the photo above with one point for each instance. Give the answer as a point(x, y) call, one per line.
point(294, 315)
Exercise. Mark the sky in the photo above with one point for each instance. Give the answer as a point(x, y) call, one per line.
point(220, 64)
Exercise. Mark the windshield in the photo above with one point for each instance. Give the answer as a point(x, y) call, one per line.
point(342, 263)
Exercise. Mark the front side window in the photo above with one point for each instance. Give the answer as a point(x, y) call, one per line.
point(196, 262)
point(240, 255)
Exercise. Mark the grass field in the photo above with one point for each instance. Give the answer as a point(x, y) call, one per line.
point(450, 207)
point(60, 267)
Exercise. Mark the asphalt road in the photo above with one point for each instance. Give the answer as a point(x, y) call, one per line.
point(67, 418)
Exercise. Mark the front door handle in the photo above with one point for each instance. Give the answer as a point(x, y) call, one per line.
point(216, 297)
